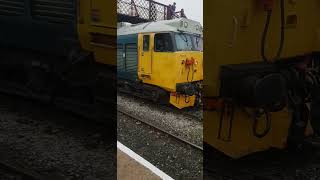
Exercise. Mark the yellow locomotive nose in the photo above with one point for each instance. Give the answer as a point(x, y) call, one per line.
point(182, 101)
point(188, 80)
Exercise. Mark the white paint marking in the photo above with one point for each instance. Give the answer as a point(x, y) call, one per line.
point(143, 162)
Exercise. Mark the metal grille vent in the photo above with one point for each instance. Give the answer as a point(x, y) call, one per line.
point(55, 11)
point(12, 7)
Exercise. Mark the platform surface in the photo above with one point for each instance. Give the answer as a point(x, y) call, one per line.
point(130, 169)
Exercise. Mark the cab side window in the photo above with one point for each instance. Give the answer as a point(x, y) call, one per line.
point(146, 43)
point(163, 42)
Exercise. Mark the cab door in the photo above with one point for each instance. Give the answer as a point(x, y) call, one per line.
point(145, 54)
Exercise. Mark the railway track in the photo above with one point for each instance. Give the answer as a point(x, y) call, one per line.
point(23, 173)
point(18, 172)
point(189, 113)
point(195, 146)
point(40, 121)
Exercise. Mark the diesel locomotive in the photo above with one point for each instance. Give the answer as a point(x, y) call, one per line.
point(60, 51)
point(262, 75)
point(161, 61)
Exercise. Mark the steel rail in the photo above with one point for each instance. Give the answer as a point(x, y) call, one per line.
point(160, 129)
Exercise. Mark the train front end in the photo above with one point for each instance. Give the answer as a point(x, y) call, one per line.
point(186, 72)
point(189, 71)
point(262, 75)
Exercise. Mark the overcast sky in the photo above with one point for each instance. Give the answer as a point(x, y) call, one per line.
point(192, 8)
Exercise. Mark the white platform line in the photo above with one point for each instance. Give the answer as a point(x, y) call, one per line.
point(143, 162)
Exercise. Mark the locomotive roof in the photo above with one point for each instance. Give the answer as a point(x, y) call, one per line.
point(174, 25)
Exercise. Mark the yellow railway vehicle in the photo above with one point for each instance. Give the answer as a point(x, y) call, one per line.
point(60, 51)
point(162, 61)
point(261, 69)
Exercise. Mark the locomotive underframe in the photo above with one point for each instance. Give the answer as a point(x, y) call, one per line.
point(259, 100)
point(160, 95)
point(76, 83)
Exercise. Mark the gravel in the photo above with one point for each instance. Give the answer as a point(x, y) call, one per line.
point(7, 175)
point(177, 159)
point(48, 141)
point(190, 129)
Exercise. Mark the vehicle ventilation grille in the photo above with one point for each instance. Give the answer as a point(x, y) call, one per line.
point(12, 7)
point(55, 11)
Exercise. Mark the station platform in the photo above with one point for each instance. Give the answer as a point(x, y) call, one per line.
point(131, 166)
